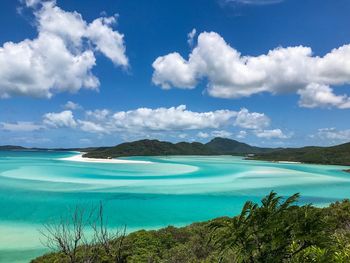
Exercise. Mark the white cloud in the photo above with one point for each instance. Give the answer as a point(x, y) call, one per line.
point(92, 127)
point(160, 119)
point(69, 26)
point(271, 134)
point(203, 135)
point(173, 118)
point(98, 115)
point(222, 134)
point(251, 120)
point(241, 134)
point(173, 70)
point(21, 126)
point(183, 135)
point(61, 57)
point(315, 95)
point(179, 118)
point(107, 41)
point(333, 134)
point(60, 120)
point(147, 122)
point(31, 3)
point(190, 37)
point(232, 75)
point(70, 105)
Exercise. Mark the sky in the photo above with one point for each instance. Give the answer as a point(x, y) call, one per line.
point(90, 73)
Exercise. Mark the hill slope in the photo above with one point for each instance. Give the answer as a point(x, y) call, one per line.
point(150, 148)
point(228, 146)
point(339, 154)
point(11, 148)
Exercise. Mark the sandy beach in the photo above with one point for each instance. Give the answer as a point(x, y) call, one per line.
point(79, 158)
point(289, 162)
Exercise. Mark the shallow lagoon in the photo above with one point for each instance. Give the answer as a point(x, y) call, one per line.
point(178, 190)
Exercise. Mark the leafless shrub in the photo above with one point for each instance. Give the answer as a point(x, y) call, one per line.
point(110, 241)
point(68, 235)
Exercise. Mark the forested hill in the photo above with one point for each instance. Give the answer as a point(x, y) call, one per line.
point(229, 146)
point(151, 148)
point(339, 154)
point(216, 146)
point(11, 148)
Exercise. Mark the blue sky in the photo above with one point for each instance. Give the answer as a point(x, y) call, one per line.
point(82, 73)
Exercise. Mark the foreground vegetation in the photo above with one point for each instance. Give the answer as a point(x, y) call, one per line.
point(274, 231)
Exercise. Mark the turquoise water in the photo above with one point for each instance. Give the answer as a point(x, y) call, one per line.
point(37, 186)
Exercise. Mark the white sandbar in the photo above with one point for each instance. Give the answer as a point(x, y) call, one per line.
point(289, 162)
point(80, 158)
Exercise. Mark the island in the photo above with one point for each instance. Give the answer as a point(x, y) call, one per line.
point(217, 146)
point(335, 155)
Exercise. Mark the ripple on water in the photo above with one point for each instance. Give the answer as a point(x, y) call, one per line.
point(172, 190)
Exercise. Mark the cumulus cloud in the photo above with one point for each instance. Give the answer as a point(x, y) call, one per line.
point(190, 37)
point(233, 75)
point(221, 133)
point(251, 120)
point(61, 57)
point(108, 42)
point(183, 135)
point(216, 133)
point(173, 119)
point(271, 134)
point(31, 3)
point(98, 115)
point(20, 126)
point(203, 135)
point(60, 120)
point(89, 126)
point(241, 134)
point(174, 71)
point(70, 105)
point(333, 134)
point(315, 95)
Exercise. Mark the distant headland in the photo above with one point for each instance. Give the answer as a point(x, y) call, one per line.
point(335, 155)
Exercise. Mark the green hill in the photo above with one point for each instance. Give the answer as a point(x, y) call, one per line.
point(150, 148)
point(216, 146)
point(11, 148)
point(228, 146)
point(339, 154)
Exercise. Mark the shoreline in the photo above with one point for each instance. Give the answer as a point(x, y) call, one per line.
point(79, 158)
point(290, 162)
